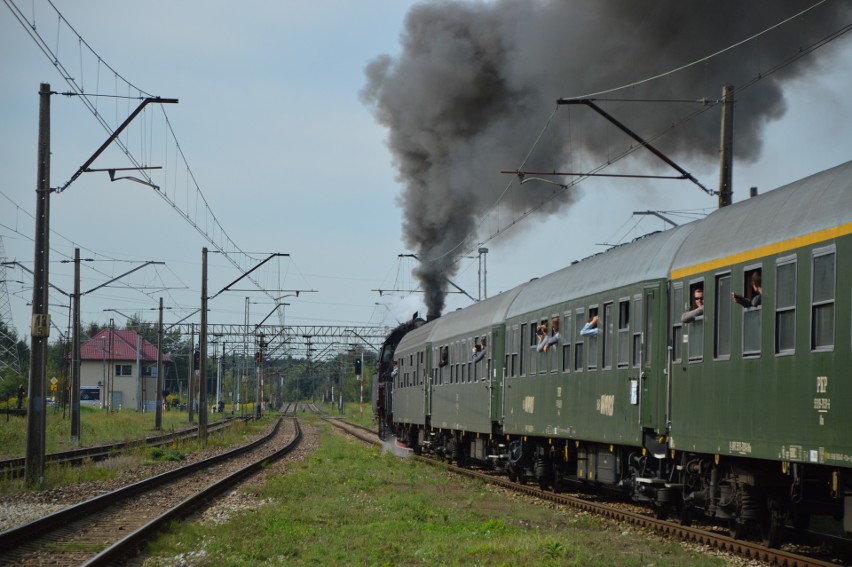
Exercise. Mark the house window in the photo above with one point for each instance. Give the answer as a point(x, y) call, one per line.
point(124, 370)
point(785, 305)
point(822, 300)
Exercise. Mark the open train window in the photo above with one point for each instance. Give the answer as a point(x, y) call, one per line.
point(593, 342)
point(445, 356)
point(696, 327)
point(751, 301)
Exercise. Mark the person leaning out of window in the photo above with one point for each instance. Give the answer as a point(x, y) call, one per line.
point(756, 292)
point(697, 307)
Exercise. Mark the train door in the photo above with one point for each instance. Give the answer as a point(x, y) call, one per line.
point(653, 375)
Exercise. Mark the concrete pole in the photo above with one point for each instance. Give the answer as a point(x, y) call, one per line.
point(40, 328)
point(190, 387)
point(726, 158)
point(75, 355)
point(202, 345)
point(158, 419)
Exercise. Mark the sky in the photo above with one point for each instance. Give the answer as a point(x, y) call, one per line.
point(302, 124)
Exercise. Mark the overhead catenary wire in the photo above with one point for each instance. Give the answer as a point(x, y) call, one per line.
point(198, 214)
point(707, 105)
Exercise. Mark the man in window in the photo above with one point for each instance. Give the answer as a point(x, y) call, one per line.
point(756, 292)
point(479, 350)
point(697, 306)
point(590, 329)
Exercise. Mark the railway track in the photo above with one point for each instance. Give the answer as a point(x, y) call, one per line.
point(106, 529)
point(14, 468)
point(816, 555)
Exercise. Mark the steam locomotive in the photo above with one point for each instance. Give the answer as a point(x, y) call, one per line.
point(739, 409)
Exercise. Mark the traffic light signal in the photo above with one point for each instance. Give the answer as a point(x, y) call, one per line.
point(357, 366)
point(196, 360)
point(257, 357)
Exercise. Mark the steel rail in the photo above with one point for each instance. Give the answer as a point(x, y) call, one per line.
point(14, 468)
point(16, 537)
point(129, 544)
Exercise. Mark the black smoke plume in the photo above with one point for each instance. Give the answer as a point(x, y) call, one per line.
point(474, 82)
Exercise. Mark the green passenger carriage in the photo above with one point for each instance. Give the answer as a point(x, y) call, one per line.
point(739, 409)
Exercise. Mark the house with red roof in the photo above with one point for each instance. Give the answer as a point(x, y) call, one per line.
point(119, 366)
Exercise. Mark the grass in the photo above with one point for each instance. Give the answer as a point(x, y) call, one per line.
point(99, 427)
point(96, 428)
point(350, 504)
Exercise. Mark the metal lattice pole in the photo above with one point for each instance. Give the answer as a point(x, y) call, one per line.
point(10, 362)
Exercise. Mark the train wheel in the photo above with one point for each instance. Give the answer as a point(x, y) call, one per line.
point(738, 529)
point(557, 482)
point(801, 520)
point(772, 525)
point(687, 514)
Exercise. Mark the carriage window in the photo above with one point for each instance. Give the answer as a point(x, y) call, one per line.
point(566, 342)
point(722, 317)
point(785, 305)
point(648, 338)
point(822, 300)
point(552, 345)
point(521, 351)
point(445, 356)
point(637, 333)
point(751, 301)
point(608, 336)
point(677, 326)
point(538, 332)
point(623, 332)
point(593, 342)
point(579, 321)
point(696, 327)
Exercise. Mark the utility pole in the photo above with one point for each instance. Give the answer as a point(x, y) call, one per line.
point(40, 328)
point(190, 388)
point(483, 274)
point(75, 355)
point(726, 150)
point(202, 346)
point(158, 415)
